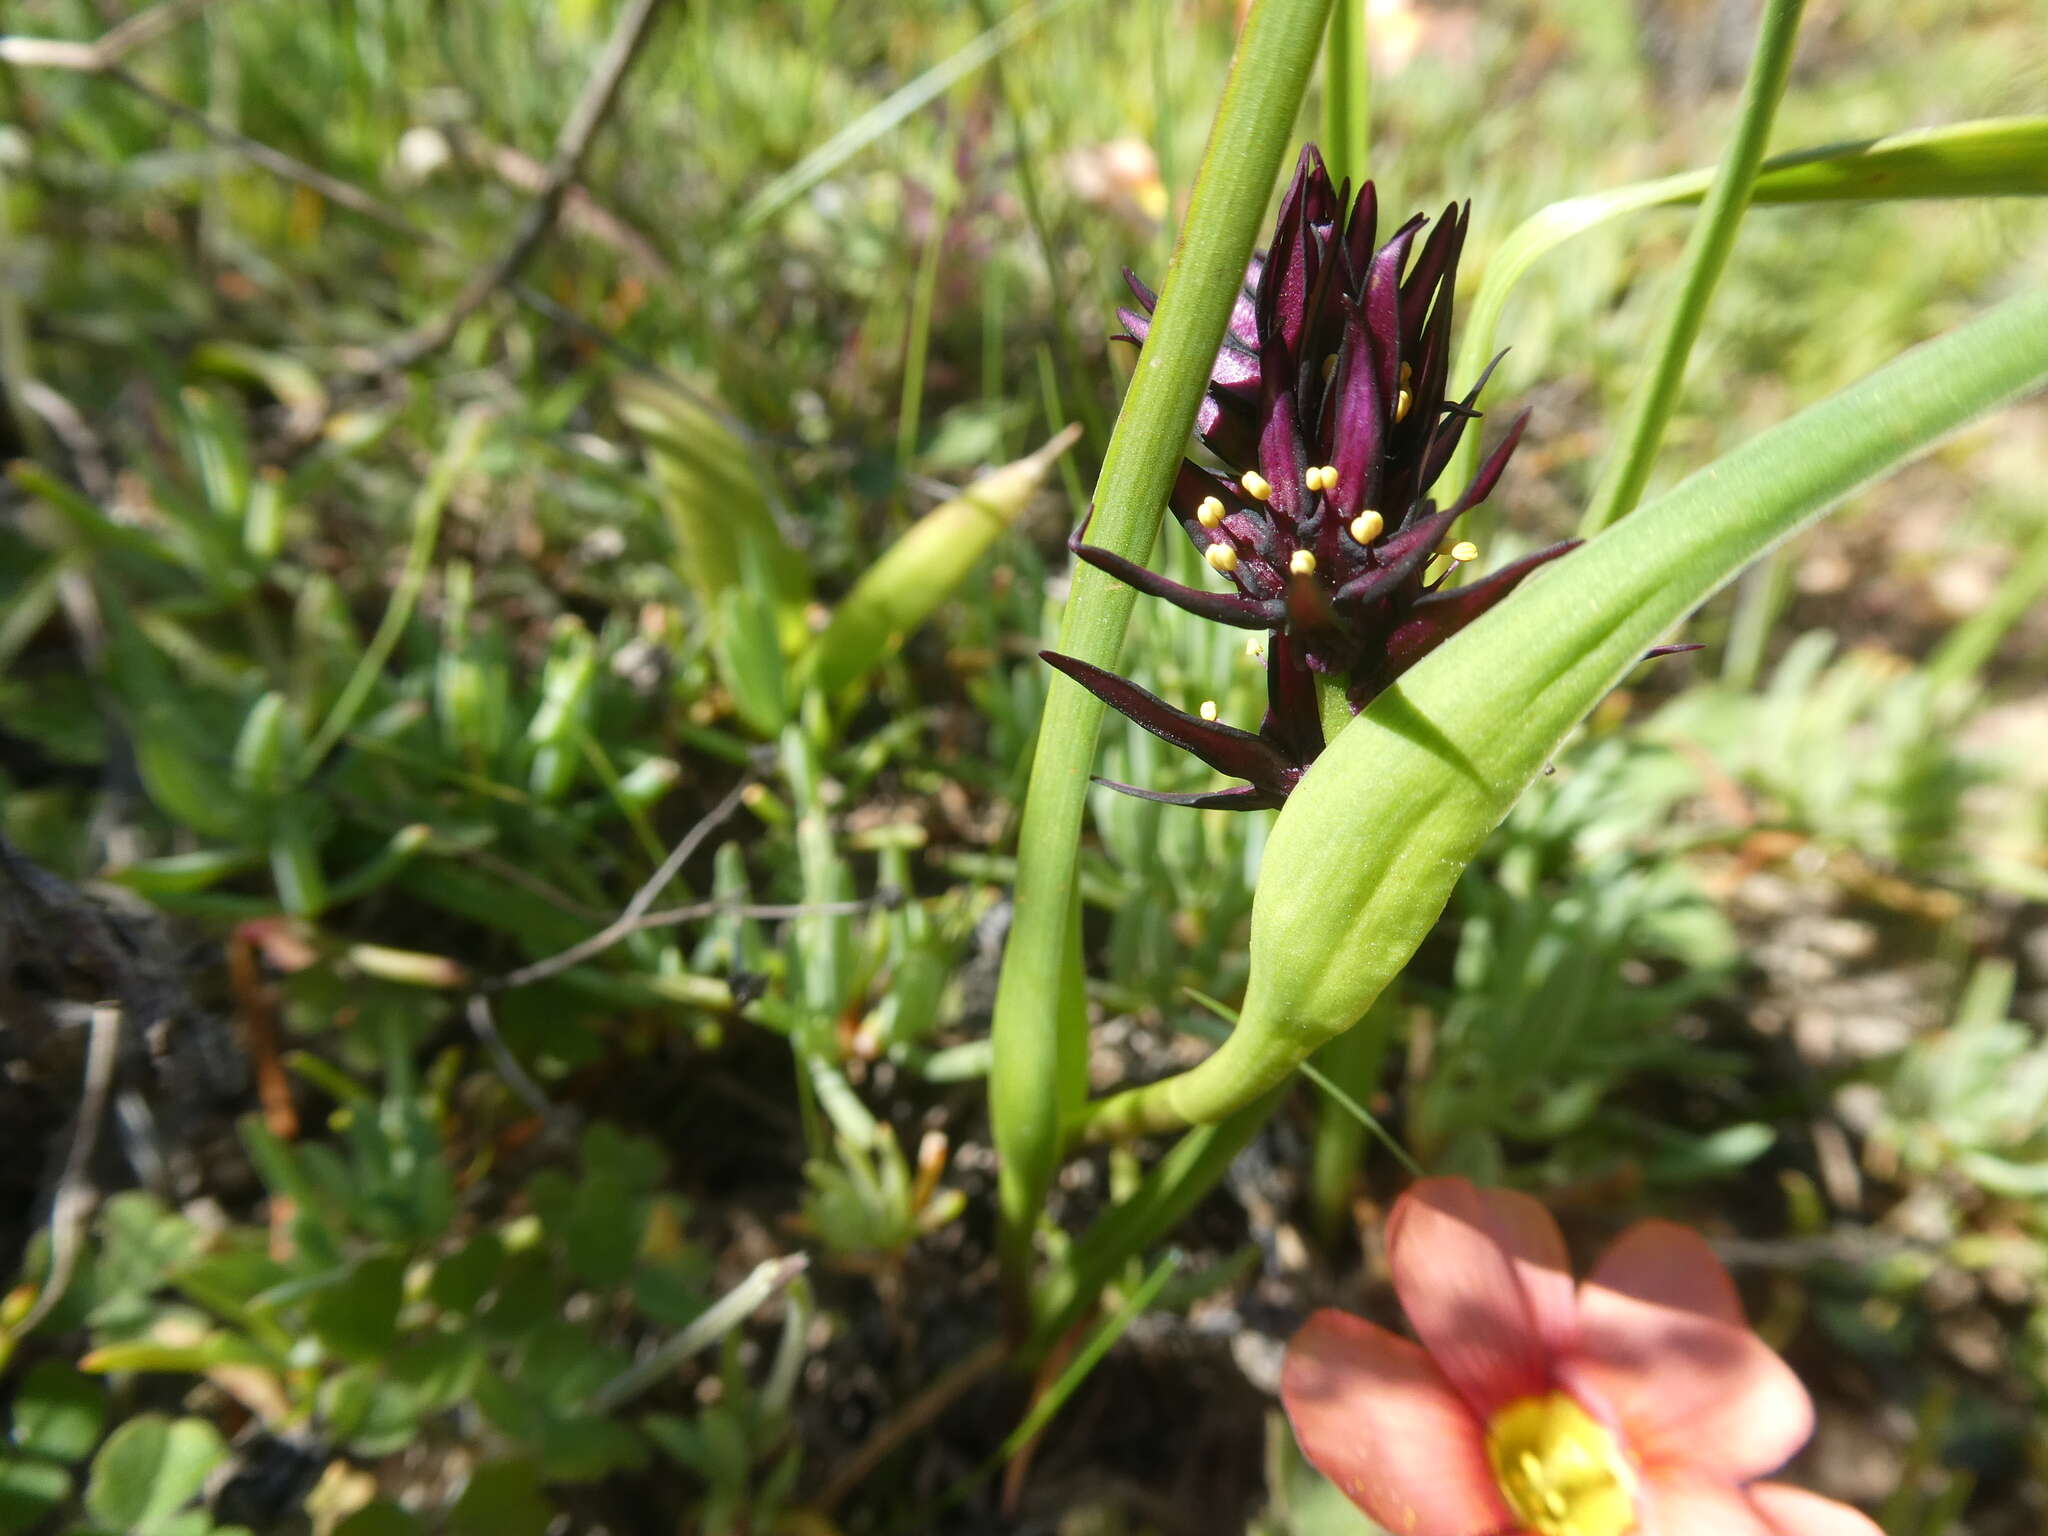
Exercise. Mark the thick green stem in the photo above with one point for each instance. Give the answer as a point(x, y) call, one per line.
point(1351, 1063)
point(1706, 254)
point(1347, 94)
point(1034, 1050)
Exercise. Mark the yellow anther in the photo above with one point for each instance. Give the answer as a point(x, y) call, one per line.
point(1210, 513)
point(1323, 477)
point(1208, 710)
point(1302, 563)
point(1402, 403)
point(1221, 557)
point(1254, 647)
point(1464, 552)
point(1367, 526)
point(1560, 1471)
point(1329, 367)
point(1255, 485)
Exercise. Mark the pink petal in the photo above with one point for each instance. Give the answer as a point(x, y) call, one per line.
point(1375, 1417)
point(1677, 1503)
point(1526, 1230)
point(1790, 1511)
point(1662, 1261)
point(1662, 1350)
point(1461, 1287)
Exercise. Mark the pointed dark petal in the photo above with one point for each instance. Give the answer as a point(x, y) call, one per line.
point(1283, 455)
point(1445, 443)
point(1437, 617)
point(1438, 262)
point(1354, 432)
point(1222, 607)
point(1244, 314)
point(1359, 235)
point(1402, 556)
point(1656, 651)
point(1140, 292)
point(1383, 306)
point(1490, 471)
point(1137, 325)
point(1223, 747)
point(1250, 797)
point(1228, 427)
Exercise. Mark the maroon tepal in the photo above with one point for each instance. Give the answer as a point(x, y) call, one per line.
point(1327, 406)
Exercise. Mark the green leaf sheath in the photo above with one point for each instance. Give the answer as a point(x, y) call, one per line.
point(1368, 847)
point(1253, 131)
point(1706, 255)
point(1991, 157)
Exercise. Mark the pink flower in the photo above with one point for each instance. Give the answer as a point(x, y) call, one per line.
point(1637, 1402)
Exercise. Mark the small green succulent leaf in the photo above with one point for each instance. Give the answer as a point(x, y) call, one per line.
point(58, 1412)
point(149, 1469)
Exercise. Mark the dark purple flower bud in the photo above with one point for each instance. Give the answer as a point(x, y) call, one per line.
point(1327, 407)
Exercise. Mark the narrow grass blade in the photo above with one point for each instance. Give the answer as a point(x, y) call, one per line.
point(1990, 157)
point(1706, 256)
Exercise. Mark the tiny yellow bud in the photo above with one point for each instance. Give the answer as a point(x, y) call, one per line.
point(1302, 563)
point(1367, 526)
point(1208, 710)
point(1221, 557)
point(1210, 513)
point(1256, 485)
point(1464, 551)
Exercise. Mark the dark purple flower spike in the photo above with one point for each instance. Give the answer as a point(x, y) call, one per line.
point(1327, 407)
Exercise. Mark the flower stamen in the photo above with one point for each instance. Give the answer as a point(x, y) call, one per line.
point(1302, 563)
point(1256, 485)
point(1561, 1472)
point(1208, 709)
point(1367, 526)
point(1210, 513)
point(1221, 557)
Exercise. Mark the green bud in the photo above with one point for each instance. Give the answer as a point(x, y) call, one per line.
point(922, 569)
point(264, 750)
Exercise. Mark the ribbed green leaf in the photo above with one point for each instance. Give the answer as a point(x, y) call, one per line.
point(1367, 849)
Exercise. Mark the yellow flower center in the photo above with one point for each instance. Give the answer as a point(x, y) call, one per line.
point(1560, 1471)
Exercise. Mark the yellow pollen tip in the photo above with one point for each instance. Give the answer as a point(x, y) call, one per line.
point(1402, 404)
point(1560, 1472)
point(1367, 526)
point(1329, 367)
point(1302, 563)
point(1210, 513)
point(1221, 557)
point(1256, 485)
point(1208, 710)
point(1254, 647)
point(1464, 551)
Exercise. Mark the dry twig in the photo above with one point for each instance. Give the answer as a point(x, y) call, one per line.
point(600, 94)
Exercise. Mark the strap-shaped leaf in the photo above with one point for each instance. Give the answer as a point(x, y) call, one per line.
point(1990, 157)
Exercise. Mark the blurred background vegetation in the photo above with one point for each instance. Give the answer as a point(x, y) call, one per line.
point(353, 664)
